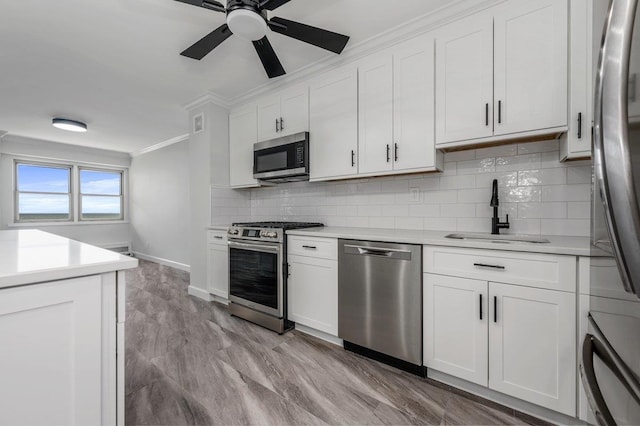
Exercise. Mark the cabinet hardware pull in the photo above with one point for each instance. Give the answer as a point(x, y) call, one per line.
point(579, 125)
point(495, 308)
point(353, 158)
point(486, 114)
point(395, 152)
point(499, 112)
point(485, 265)
point(277, 125)
point(388, 153)
point(217, 237)
point(281, 124)
point(310, 247)
point(480, 306)
point(288, 270)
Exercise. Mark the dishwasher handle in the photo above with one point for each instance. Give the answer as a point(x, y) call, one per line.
point(378, 252)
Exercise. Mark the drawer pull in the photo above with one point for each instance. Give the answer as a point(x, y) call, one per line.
point(217, 237)
point(485, 265)
point(480, 306)
point(310, 247)
point(495, 308)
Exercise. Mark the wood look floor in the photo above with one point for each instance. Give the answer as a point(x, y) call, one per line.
point(188, 362)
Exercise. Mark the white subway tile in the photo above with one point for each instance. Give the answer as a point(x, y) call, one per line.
point(382, 199)
point(570, 227)
point(517, 162)
point(457, 182)
point(473, 225)
point(369, 210)
point(504, 179)
point(395, 210)
point(497, 151)
point(580, 174)
point(520, 194)
point(524, 226)
point(542, 210)
point(541, 146)
point(439, 223)
point(408, 222)
point(424, 210)
point(430, 183)
point(474, 195)
point(484, 210)
point(458, 210)
point(450, 169)
point(382, 222)
point(451, 157)
point(473, 167)
point(542, 177)
point(357, 222)
point(579, 210)
point(566, 193)
point(347, 211)
point(394, 186)
point(440, 197)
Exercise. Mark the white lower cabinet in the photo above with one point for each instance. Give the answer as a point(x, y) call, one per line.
point(514, 338)
point(218, 264)
point(58, 353)
point(313, 284)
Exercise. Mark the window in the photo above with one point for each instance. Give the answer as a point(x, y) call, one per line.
point(43, 192)
point(67, 193)
point(100, 195)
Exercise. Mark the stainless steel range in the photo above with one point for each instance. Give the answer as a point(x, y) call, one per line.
point(258, 272)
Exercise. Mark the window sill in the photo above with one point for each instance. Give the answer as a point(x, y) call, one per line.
point(86, 222)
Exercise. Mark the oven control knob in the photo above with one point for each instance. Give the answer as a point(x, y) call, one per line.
point(269, 234)
point(233, 232)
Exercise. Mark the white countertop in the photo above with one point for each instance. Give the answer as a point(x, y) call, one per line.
point(32, 256)
point(574, 246)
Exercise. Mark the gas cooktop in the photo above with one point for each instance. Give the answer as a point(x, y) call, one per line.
point(279, 225)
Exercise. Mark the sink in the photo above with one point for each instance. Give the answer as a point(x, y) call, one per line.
point(505, 238)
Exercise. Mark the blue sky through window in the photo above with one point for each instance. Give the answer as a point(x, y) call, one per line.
point(43, 179)
point(99, 182)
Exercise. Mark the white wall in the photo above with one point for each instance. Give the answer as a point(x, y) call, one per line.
point(540, 194)
point(159, 182)
point(19, 147)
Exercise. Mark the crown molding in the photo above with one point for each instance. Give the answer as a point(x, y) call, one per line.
point(208, 97)
point(160, 145)
point(452, 11)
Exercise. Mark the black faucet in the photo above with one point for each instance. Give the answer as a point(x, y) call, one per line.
point(496, 225)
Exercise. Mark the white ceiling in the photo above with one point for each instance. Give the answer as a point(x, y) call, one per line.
point(115, 64)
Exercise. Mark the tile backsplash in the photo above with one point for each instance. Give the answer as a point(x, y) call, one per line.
point(540, 194)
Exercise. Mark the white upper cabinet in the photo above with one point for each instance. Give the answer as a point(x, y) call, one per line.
point(284, 114)
point(243, 133)
point(375, 113)
point(396, 109)
point(530, 68)
point(464, 80)
point(503, 73)
point(333, 125)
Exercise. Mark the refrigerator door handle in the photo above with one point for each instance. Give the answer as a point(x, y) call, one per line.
point(612, 157)
point(592, 389)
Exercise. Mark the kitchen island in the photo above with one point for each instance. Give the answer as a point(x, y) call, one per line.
point(62, 306)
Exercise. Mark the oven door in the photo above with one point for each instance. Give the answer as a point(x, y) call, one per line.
point(255, 276)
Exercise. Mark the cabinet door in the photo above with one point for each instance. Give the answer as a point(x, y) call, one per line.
point(333, 125)
point(530, 66)
point(294, 105)
point(51, 353)
point(375, 113)
point(243, 133)
point(268, 118)
point(455, 327)
point(413, 104)
point(464, 79)
point(532, 345)
point(313, 293)
point(219, 270)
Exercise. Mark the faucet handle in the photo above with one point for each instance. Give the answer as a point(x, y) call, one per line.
point(507, 219)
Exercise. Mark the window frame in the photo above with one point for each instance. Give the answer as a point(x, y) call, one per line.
point(75, 196)
point(17, 192)
point(80, 194)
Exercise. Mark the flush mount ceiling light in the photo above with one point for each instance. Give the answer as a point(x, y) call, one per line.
point(70, 125)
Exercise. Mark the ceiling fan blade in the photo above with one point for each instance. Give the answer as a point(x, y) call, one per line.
point(272, 4)
point(206, 44)
point(207, 4)
point(268, 57)
point(328, 40)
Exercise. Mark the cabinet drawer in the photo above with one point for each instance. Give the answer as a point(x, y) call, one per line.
point(217, 237)
point(530, 269)
point(323, 248)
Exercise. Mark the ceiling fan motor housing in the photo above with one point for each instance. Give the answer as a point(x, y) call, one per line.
point(251, 5)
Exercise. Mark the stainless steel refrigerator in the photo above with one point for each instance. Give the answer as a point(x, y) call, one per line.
point(610, 357)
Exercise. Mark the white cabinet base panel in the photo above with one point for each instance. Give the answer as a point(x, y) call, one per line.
point(319, 334)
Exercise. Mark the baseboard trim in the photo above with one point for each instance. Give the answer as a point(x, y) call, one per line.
point(199, 293)
point(319, 334)
point(165, 262)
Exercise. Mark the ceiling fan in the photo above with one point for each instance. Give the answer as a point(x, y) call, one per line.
point(248, 20)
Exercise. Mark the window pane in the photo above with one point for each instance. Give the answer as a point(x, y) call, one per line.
point(43, 207)
point(34, 178)
point(99, 182)
point(101, 208)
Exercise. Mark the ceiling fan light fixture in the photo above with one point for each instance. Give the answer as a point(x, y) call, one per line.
point(247, 24)
point(70, 125)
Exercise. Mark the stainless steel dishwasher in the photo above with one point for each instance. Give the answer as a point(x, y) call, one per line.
point(380, 300)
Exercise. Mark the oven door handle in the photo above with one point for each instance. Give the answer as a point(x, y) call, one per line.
point(255, 247)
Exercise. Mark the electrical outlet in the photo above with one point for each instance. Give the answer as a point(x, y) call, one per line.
point(414, 195)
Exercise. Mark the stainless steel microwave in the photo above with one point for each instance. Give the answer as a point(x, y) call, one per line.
point(284, 159)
